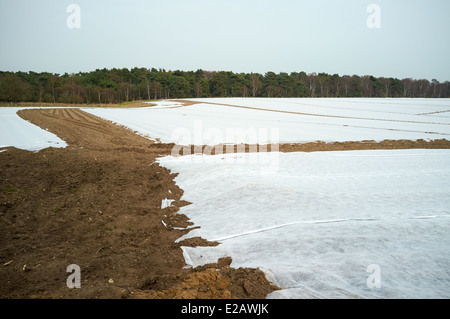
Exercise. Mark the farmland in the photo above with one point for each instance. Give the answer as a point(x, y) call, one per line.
point(313, 222)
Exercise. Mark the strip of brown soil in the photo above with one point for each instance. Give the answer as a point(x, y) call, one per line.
point(314, 147)
point(97, 204)
point(365, 145)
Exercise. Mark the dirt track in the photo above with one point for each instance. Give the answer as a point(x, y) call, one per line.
point(97, 204)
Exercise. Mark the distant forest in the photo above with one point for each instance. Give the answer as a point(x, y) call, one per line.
point(105, 86)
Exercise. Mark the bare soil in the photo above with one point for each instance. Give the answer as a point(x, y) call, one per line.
point(316, 146)
point(97, 204)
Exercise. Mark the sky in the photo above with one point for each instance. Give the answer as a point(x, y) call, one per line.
point(404, 39)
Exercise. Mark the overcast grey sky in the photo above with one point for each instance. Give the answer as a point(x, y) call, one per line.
point(229, 35)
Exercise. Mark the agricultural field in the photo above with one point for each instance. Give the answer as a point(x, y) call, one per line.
point(346, 198)
point(297, 120)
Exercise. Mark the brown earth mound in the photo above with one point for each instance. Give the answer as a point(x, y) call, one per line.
point(97, 204)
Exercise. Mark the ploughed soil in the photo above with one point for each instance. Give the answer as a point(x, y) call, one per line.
point(97, 204)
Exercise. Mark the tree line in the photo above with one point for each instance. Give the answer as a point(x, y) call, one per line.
point(107, 86)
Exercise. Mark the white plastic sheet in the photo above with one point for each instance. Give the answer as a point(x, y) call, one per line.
point(329, 120)
point(317, 223)
point(15, 131)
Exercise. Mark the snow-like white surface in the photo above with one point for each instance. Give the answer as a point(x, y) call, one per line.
point(16, 132)
point(164, 104)
point(286, 120)
point(316, 224)
point(402, 109)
